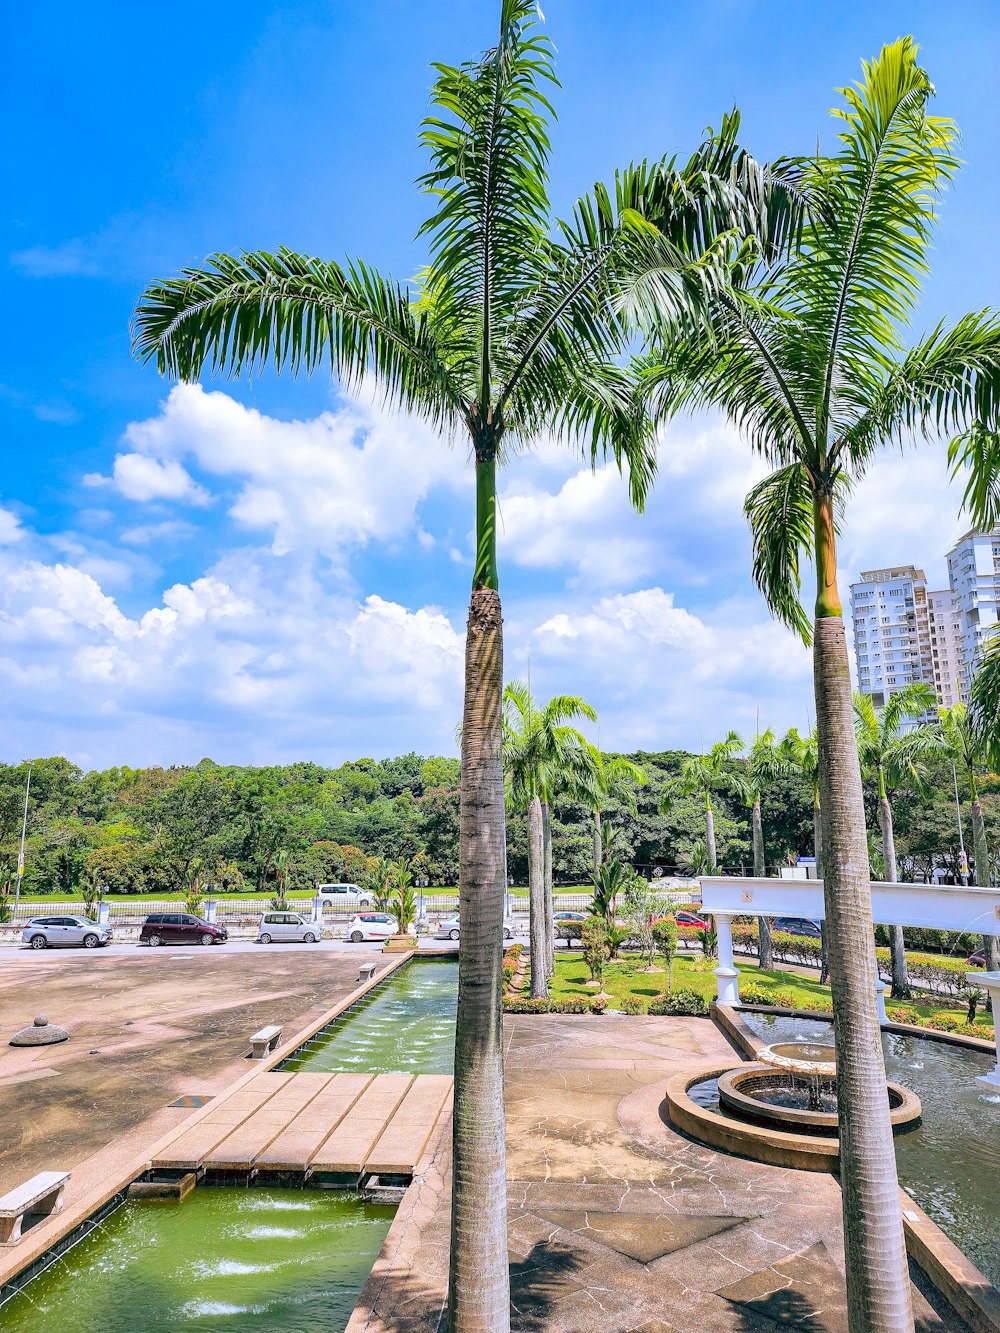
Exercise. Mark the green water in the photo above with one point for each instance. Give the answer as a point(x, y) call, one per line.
point(223, 1261)
point(406, 1025)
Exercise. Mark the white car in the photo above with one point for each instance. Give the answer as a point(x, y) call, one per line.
point(374, 926)
point(344, 896)
point(285, 928)
point(448, 928)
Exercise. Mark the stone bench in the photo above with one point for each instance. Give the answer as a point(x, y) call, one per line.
point(37, 1198)
point(263, 1042)
point(367, 972)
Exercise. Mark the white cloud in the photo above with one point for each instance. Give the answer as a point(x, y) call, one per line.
point(139, 477)
point(325, 484)
point(10, 528)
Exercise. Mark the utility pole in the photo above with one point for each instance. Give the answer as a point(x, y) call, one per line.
point(20, 855)
point(963, 860)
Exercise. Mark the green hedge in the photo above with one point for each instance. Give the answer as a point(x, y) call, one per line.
point(680, 1002)
point(517, 1005)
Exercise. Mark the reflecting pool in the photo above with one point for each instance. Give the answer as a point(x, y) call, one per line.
point(224, 1260)
point(405, 1025)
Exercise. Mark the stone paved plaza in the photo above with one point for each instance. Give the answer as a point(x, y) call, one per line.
point(619, 1223)
point(144, 1030)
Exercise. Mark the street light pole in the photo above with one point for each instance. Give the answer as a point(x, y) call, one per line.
point(963, 860)
point(20, 855)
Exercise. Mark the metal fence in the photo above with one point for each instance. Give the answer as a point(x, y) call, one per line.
point(241, 915)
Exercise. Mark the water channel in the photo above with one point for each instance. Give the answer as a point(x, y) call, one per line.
point(404, 1026)
point(950, 1163)
point(223, 1261)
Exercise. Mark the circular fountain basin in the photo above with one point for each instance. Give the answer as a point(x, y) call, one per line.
point(768, 1095)
point(802, 1057)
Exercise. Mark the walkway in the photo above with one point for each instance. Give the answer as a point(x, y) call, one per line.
point(314, 1125)
point(619, 1223)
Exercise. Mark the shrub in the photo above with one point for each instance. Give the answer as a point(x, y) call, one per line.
point(517, 1005)
point(598, 1004)
point(632, 1005)
point(753, 993)
point(511, 962)
point(680, 1002)
point(902, 1013)
point(595, 947)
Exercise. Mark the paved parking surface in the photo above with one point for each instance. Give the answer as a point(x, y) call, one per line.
point(145, 1029)
point(132, 950)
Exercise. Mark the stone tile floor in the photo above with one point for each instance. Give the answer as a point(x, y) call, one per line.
point(619, 1223)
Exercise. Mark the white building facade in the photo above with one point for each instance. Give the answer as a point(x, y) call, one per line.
point(946, 646)
point(974, 575)
point(892, 633)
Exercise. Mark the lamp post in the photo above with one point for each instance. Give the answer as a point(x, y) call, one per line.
point(20, 855)
point(963, 860)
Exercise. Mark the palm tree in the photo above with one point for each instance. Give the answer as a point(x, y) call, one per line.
point(806, 355)
point(764, 761)
point(890, 757)
point(612, 778)
point(509, 335)
point(803, 753)
point(984, 702)
point(968, 746)
point(537, 746)
point(703, 774)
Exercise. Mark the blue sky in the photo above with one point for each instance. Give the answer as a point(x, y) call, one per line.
point(219, 571)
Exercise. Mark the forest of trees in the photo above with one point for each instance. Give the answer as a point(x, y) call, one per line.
point(156, 830)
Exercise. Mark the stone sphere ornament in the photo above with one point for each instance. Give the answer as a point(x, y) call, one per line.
point(40, 1033)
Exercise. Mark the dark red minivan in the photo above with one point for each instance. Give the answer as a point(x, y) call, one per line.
point(180, 928)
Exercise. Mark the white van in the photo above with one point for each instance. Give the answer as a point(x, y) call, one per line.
point(286, 928)
point(344, 896)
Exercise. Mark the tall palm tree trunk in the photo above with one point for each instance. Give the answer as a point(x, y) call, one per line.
point(536, 902)
point(550, 955)
point(991, 944)
point(598, 843)
point(765, 952)
point(479, 1283)
point(710, 855)
point(878, 1284)
point(824, 961)
point(897, 946)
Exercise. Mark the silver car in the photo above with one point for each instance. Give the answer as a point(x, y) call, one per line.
point(287, 927)
point(45, 932)
point(448, 928)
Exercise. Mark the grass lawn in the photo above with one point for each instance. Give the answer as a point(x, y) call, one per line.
point(692, 972)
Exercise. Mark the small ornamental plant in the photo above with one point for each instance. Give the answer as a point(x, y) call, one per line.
point(595, 949)
point(665, 938)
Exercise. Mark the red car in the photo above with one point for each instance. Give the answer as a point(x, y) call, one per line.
point(689, 919)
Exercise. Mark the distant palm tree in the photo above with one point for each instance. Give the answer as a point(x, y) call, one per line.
point(613, 778)
point(890, 756)
point(969, 746)
point(984, 702)
point(806, 356)
point(765, 762)
point(538, 744)
point(703, 774)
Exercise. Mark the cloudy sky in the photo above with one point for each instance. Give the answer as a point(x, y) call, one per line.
point(269, 571)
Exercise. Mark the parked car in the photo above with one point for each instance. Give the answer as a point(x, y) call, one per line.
point(374, 926)
point(53, 932)
point(690, 920)
point(796, 925)
point(976, 959)
point(344, 896)
point(561, 918)
point(286, 928)
point(180, 928)
point(448, 928)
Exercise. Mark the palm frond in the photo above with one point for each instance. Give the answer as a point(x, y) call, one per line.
point(976, 455)
point(288, 311)
point(780, 513)
point(487, 136)
point(864, 247)
point(984, 703)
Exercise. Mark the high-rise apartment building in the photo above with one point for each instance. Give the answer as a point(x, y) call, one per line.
point(974, 575)
point(946, 646)
point(892, 635)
